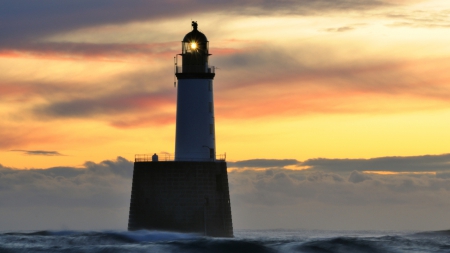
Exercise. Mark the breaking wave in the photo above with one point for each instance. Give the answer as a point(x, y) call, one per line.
point(300, 241)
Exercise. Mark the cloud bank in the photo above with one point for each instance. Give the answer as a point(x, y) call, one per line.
point(326, 200)
point(92, 197)
point(325, 196)
point(425, 163)
point(428, 163)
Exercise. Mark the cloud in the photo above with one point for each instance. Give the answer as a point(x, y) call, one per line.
point(318, 83)
point(136, 94)
point(107, 105)
point(92, 197)
point(263, 163)
point(340, 29)
point(38, 152)
point(121, 167)
point(426, 163)
point(337, 193)
point(420, 18)
point(29, 19)
point(130, 105)
point(325, 200)
point(90, 51)
point(358, 177)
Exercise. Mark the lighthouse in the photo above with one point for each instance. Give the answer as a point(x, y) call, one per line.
point(195, 131)
point(187, 193)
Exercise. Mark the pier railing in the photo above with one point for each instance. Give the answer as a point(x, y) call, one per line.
point(167, 157)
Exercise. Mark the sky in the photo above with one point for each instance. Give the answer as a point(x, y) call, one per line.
point(333, 114)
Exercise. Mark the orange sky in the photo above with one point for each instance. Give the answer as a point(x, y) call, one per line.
point(342, 83)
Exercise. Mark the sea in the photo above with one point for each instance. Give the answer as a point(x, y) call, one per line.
point(305, 241)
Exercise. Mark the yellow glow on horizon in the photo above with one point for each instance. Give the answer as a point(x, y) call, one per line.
point(400, 173)
point(296, 167)
point(337, 136)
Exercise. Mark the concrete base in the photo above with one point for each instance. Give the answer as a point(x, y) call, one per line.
point(188, 197)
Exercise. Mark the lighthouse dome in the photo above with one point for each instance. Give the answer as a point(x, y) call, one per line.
point(195, 51)
point(195, 35)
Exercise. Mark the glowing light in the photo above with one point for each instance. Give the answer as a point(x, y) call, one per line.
point(193, 45)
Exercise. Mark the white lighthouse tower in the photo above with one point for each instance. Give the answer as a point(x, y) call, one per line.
point(195, 131)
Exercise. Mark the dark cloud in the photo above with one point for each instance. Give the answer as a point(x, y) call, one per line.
point(38, 152)
point(94, 196)
point(427, 163)
point(29, 19)
point(315, 68)
point(117, 102)
point(338, 194)
point(356, 200)
point(125, 100)
point(65, 172)
point(263, 163)
point(290, 187)
point(97, 51)
point(358, 177)
point(120, 166)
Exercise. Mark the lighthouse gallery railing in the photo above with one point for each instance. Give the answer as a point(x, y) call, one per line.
point(195, 69)
point(167, 157)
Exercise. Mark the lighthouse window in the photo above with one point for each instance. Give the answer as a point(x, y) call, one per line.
point(211, 128)
point(210, 107)
point(210, 86)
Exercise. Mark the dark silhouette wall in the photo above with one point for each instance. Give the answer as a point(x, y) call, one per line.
point(181, 196)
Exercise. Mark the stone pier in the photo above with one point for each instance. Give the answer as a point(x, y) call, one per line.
point(181, 196)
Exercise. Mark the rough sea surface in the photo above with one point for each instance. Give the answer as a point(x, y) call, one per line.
point(245, 241)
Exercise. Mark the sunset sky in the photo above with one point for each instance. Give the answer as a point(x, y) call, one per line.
point(353, 94)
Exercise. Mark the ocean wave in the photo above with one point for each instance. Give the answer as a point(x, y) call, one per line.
point(434, 233)
point(221, 246)
point(341, 244)
point(245, 241)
